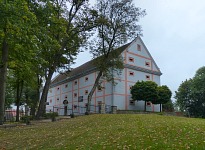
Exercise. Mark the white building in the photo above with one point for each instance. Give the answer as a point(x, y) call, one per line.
point(68, 92)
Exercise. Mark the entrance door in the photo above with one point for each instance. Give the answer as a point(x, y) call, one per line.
point(65, 110)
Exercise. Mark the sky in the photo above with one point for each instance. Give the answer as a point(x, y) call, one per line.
point(174, 33)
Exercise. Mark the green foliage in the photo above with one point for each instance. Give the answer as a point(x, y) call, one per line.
point(169, 106)
point(191, 95)
point(144, 90)
point(26, 119)
point(164, 95)
point(155, 132)
point(51, 115)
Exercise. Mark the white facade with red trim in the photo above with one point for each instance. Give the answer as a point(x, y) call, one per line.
point(138, 65)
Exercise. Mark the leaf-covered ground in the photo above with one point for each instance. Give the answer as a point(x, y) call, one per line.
point(126, 131)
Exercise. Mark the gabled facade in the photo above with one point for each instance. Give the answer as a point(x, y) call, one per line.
point(68, 92)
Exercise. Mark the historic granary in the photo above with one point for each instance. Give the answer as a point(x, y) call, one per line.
point(68, 92)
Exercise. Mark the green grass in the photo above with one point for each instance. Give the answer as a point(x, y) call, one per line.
point(127, 131)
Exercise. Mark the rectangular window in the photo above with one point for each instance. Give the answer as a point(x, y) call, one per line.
point(76, 82)
point(99, 88)
point(147, 64)
point(138, 47)
point(86, 92)
point(147, 77)
point(80, 99)
point(130, 87)
point(132, 102)
point(75, 94)
point(148, 104)
point(131, 59)
point(86, 79)
point(131, 73)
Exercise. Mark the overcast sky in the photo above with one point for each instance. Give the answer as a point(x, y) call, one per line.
point(174, 33)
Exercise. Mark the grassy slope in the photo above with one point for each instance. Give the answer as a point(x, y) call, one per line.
point(127, 131)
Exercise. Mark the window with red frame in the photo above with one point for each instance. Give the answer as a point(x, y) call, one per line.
point(147, 64)
point(132, 102)
point(147, 77)
point(75, 82)
point(75, 94)
point(148, 103)
point(138, 47)
point(86, 79)
point(131, 73)
point(131, 59)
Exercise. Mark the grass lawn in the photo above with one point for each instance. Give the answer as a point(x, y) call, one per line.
point(126, 131)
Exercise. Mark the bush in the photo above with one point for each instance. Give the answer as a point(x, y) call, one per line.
point(26, 119)
point(51, 115)
point(72, 115)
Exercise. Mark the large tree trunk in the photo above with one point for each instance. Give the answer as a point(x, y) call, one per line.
point(42, 104)
point(3, 73)
point(93, 90)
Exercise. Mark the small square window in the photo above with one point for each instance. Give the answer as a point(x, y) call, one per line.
point(86, 92)
point(147, 77)
point(148, 103)
point(58, 88)
point(75, 106)
point(138, 47)
point(76, 82)
point(131, 59)
point(57, 99)
point(147, 64)
point(86, 104)
point(131, 73)
point(66, 96)
point(86, 79)
point(66, 85)
point(75, 94)
point(99, 88)
point(132, 102)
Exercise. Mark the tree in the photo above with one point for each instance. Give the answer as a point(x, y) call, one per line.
point(169, 106)
point(16, 22)
point(67, 24)
point(164, 95)
point(145, 90)
point(117, 23)
point(184, 95)
point(191, 95)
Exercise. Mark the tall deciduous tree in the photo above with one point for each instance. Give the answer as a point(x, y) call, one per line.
point(16, 22)
point(67, 24)
point(191, 95)
point(117, 23)
point(164, 95)
point(145, 90)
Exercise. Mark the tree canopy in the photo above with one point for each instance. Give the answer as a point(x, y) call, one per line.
point(149, 91)
point(190, 96)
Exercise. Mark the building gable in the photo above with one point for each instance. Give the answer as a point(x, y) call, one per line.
point(137, 54)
